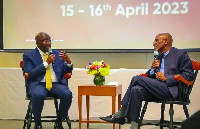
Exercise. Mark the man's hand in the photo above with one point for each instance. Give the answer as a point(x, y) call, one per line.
point(160, 76)
point(155, 64)
point(50, 59)
point(65, 57)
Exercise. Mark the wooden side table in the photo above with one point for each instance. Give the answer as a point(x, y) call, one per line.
point(92, 90)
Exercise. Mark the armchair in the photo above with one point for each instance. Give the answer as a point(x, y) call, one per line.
point(185, 88)
point(29, 115)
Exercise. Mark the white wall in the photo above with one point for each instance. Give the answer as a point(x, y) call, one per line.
point(13, 104)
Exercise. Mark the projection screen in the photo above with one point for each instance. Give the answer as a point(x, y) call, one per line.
point(100, 24)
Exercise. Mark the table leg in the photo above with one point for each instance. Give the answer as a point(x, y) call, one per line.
point(113, 107)
point(119, 105)
point(88, 107)
point(80, 109)
point(119, 101)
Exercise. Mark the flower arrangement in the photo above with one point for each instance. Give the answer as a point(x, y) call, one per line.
point(98, 68)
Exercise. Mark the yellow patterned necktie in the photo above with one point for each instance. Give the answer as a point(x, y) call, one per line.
point(48, 75)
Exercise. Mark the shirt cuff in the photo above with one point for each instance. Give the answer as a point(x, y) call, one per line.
point(45, 64)
point(69, 65)
point(151, 72)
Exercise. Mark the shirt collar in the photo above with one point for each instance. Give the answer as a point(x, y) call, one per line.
point(166, 53)
point(41, 52)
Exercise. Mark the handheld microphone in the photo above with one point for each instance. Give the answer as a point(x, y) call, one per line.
point(50, 51)
point(157, 57)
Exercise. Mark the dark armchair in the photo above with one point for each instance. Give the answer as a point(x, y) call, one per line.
point(185, 88)
point(29, 115)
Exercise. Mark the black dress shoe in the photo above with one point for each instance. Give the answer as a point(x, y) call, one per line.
point(113, 119)
point(58, 125)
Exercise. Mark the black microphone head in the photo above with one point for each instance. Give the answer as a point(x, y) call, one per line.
point(156, 55)
point(50, 51)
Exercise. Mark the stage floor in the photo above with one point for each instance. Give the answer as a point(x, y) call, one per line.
point(18, 124)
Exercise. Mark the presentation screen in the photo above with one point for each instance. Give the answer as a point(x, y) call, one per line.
point(100, 24)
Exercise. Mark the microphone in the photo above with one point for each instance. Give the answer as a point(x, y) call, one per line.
point(157, 56)
point(50, 51)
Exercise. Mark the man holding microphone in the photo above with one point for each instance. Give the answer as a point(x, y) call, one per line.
point(46, 69)
point(160, 83)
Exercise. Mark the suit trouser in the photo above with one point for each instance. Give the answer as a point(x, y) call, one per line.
point(59, 91)
point(143, 89)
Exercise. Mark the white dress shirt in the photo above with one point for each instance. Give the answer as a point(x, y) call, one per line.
point(53, 75)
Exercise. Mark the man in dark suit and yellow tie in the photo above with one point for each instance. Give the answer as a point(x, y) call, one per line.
point(46, 77)
point(160, 83)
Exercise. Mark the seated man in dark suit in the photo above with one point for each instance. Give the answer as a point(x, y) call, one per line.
point(160, 83)
point(46, 72)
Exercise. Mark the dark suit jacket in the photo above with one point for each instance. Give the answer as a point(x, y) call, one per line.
point(33, 65)
point(192, 122)
point(176, 61)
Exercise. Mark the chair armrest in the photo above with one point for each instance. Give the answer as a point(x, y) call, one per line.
point(143, 74)
point(180, 78)
point(67, 75)
point(21, 64)
point(26, 76)
point(196, 65)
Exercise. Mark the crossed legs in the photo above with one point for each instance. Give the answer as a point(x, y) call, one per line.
point(140, 89)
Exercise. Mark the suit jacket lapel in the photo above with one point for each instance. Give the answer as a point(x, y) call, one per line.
point(55, 62)
point(37, 56)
